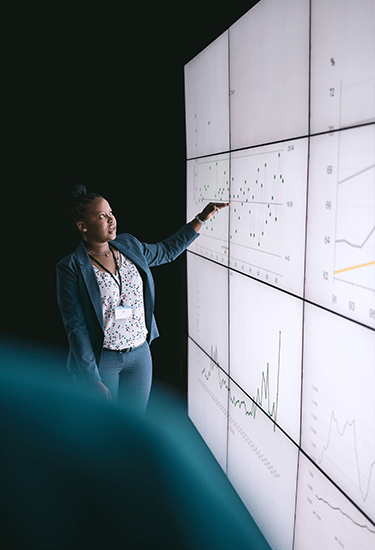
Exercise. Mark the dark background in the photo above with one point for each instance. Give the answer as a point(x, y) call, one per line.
point(95, 94)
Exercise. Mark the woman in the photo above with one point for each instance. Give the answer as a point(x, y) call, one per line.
point(105, 292)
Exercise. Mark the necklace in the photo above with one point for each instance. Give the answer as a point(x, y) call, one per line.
point(97, 254)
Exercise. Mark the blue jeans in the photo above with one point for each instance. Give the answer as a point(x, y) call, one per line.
point(128, 375)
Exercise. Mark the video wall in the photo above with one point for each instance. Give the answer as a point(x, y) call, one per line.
point(280, 121)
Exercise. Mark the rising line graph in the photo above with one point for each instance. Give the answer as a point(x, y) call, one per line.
point(354, 267)
point(262, 392)
point(356, 174)
point(355, 213)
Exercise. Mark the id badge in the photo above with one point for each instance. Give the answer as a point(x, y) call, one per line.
point(123, 312)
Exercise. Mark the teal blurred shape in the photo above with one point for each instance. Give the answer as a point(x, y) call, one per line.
point(78, 472)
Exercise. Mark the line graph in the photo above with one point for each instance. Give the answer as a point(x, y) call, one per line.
point(265, 351)
point(209, 390)
point(262, 463)
point(263, 392)
point(354, 251)
point(357, 245)
point(340, 254)
point(222, 380)
point(354, 267)
point(208, 399)
point(356, 174)
point(238, 427)
point(338, 509)
point(330, 518)
point(338, 416)
point(364, 487)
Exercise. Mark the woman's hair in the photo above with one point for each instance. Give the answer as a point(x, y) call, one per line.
point(75, 201)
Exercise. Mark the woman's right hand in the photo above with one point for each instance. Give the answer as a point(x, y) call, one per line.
point(102, 390)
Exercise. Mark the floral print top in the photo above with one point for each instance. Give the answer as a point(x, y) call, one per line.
point(122, 333)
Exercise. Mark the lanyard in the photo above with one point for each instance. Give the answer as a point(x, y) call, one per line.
point(119, 283)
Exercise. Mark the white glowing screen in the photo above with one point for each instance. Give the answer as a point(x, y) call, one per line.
point(280, 114)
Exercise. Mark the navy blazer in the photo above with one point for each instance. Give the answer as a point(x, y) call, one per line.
point(79, 299)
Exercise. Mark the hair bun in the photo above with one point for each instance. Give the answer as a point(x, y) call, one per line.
point(77, 190)
point(73, 195)
point(74, 200)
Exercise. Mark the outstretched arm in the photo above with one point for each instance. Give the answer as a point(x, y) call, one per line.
point(169, 249)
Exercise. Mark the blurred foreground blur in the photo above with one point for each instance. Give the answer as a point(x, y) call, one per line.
point(79, 472)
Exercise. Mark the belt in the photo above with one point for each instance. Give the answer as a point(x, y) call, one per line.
point(125, 350)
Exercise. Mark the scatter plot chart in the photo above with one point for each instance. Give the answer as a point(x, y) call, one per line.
point(270, 200)
point(208, 181)
point(267, 216)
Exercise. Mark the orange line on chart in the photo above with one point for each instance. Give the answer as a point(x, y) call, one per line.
point(353, 267)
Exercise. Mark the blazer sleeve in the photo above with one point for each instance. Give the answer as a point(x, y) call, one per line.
point(69, 299)
point(170, 248)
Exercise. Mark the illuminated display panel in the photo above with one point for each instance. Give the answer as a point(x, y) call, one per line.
point(208, 307)
point(329, 518)
point(340, 271)
point(262, 465)
point(208, 181)
point(206, 97)
point(342, 64)
point(266, 349)
point(208, 401)
point(268, 213)
point(269, 73)
point(282, 373)
point(338, 413)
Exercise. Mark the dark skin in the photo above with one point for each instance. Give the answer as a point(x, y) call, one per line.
point(98, 228)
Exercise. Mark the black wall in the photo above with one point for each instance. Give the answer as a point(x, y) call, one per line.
point(95, 94)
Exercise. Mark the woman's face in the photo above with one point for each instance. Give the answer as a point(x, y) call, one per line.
point(99, 223)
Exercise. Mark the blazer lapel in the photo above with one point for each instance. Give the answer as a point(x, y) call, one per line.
point(91, 282)
point(131, 254)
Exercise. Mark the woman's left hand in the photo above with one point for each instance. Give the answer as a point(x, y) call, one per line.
point(211, 209)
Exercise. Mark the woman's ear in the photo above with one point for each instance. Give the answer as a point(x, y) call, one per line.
point(81, 227)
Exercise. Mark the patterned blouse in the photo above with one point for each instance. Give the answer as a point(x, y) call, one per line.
point(122, 333)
